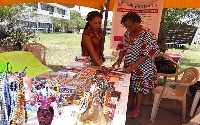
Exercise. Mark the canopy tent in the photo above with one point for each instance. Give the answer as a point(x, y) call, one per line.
point(99, 4)
point(108, 5)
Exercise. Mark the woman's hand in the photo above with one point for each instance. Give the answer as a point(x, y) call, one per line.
point(130, 69)
point(105, 69)
point(116, 65)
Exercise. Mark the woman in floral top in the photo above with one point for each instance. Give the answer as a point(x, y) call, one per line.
point(139, 45)
point(92, 43)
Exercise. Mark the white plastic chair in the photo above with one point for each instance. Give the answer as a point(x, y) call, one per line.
point(165, 76)
point(185, 78)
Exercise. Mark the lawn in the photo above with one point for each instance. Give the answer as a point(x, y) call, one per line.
point(62, 48)
point(190, 58)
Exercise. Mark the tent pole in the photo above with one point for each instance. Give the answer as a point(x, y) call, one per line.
point(106, 17)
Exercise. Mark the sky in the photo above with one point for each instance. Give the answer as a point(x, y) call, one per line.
point(84, 11)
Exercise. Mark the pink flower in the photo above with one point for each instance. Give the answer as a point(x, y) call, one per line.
point(143, 86)
point(152, 52)
point(144, 46)
point(150, 83)
point(154, 78)
point(139, 73)
point(120, 47)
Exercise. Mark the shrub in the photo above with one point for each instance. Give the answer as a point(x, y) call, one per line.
point(14, 36)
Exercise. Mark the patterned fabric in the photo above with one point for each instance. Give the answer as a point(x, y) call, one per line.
point(45, 116)
point(97, 43)
point(143, 79)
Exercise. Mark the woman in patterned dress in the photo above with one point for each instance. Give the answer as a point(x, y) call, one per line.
point(92, 43)
point(138, 46)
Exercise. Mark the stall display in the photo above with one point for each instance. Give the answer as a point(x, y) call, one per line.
point(85, 97)
point(12, 98)
point(80, 63)
point(89, 97)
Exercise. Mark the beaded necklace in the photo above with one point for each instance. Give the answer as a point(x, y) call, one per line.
point(18, 115)
point(3, 101)
point(13, 99)
point(7, 99)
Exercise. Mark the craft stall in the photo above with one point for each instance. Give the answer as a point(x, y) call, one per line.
point(79, 95)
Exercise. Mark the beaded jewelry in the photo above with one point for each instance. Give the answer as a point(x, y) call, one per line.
point(3, 101)
point(96, 101)
point(84, 102)
point(12, 103)
point(18, 114)
point(7, 99)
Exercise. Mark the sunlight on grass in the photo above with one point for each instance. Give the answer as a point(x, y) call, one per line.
point(190, 57)
point(62, 49)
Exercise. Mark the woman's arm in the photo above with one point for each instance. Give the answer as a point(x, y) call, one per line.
point(121, 55)
point(119, 60)
point(130, 68)
point(140, 61)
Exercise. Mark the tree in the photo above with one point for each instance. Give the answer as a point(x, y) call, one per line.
point(176, 18)
point(12, 30)
point(8, 14)
point(57, 24)
point(11, 12)
point(76, 22)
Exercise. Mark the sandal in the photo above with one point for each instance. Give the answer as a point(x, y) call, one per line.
point(135, 113)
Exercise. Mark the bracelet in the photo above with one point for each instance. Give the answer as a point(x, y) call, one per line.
point(119, 60)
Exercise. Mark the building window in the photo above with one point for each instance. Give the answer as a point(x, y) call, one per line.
point(51, 9)
point(63, 12)
point(35, 25)
point(43, 6)
point(59, 11)
point(35, 5)
point(39, 24)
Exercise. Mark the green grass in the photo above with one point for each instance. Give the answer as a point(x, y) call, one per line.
point(190, 58)
point(62, 48)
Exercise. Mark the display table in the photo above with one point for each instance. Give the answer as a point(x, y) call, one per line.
point(69, 117)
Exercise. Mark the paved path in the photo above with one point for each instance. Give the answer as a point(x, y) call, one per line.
point(165, 116)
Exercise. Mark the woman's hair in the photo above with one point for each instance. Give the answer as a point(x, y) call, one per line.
point(91, 15)
point(133, 16)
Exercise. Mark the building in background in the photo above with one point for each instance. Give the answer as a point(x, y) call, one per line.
point(39, 16)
